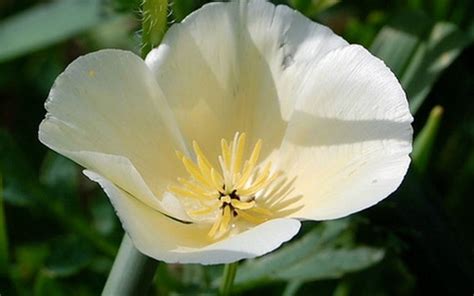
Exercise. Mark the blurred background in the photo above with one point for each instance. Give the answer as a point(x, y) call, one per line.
point(59, 234)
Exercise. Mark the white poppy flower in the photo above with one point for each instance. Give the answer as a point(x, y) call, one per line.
point(274, 119)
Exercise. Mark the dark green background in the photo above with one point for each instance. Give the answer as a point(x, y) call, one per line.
point(59, 234)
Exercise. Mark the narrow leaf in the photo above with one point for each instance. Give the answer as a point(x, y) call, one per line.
point(47, 285)
point(47, 24)
point(60, 175)
point(418, 50)
point(68, 256)
point(424, 142)
point(397, 41)
point(316, 256)
point(431, 58)
point(17, 173)
point(3, 234)
point(292, 288)
point(23, 189)
point(269, 266)
point(331, 264)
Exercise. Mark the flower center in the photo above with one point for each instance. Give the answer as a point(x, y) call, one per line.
point(230, 193)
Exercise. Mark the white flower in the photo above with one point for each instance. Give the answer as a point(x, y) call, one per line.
point(274, 118)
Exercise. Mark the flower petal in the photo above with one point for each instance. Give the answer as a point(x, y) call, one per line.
point(349, 138)
point(242, 65)
point(107, 113)
point(167, 240)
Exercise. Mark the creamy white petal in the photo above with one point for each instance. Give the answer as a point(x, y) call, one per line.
point(106, 112)
point(238, 67)
point(167, 240)
point(349, 137)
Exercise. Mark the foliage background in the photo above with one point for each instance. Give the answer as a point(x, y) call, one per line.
point(59, 234)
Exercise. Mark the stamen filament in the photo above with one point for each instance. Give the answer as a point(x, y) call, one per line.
point(215, 227)
point(259, 183)
point(251, 218)
point(243, 205)
point(199, 153)
point(225, 153)
point(226, 217)
point(216, 179)
point(262, 211)
point(184, 192)
point(231, 193)
point(194, 171)
point(196, 188)
point(204, 211)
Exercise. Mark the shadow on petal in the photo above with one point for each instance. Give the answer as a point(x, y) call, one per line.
point(333, 131)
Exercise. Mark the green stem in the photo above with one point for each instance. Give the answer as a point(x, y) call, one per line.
point(132, 272)
point(230, 270)
point(154, 23)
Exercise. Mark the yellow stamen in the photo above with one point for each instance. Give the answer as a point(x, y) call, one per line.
point(231, 192)
point(199, 153)
point(251, 218)
point(203, 211)
point(225, 153)
point(262, 211)
point(259, 183)
point(215, 227)
point(237, 152)
point(216, 179)
point(226, 217)
point(197, 188)
point(194, 171)
point(186, 193)
point(250, 165)
point(243, 205)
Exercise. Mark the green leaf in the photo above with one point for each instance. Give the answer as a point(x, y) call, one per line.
point(16, 192)
point(59, 174)
point(331, 264)
point(397, 41)
point(46, 285)
point(427, 230)
point(270, 266)
point(29, 259)
point(3, 234)
point(418, 50)
point(68, 256)
point(104, 218)
point(22, 188)
point(292, 287)
point(47, 24)
point(17, 173)
point(431, 58)
point(316, 256)
point(424, 142)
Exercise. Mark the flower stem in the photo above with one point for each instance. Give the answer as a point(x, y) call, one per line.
point(154, 21)
point(230, 270)
point(132, 272)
